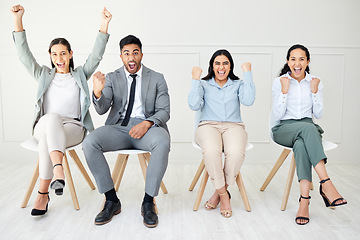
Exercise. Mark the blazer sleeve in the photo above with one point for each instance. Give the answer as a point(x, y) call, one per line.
point(103, 103)
point(25, 55)
point(162, 103)
point(96, 55)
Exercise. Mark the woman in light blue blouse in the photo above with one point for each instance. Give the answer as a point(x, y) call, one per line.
point(297, 97)
point(218, 96)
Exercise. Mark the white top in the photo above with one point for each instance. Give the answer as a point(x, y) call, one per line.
point(298, 103)
point(63, 96)
point(137, 111)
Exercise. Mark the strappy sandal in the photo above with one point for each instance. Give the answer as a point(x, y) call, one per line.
point(303, 218)
point(37, 212)
point(225, 213)
point(209, 206)
point(326, 199)
point(58, 184)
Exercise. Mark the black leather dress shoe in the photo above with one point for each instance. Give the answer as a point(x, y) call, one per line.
point(110, 209)
point(150, 217)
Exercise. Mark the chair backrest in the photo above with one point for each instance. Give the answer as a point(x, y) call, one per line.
point(196, 123)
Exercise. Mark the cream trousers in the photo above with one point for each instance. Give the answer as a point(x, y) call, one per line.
point(214, 138)
point(54, 133)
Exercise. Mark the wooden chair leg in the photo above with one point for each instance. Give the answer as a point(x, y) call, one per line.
point(162, 185)
point(70, 182)
point(123, 162)
point(78, 163)
point(311, 186)
point(288, 184)
point(276, 167)
point(197, 175)
point(34, 178)
point(241, 187)
point(201, 190)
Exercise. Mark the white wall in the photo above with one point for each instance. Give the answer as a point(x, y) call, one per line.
point(179, 35)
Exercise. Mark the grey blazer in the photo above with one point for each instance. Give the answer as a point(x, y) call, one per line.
point(154, 97)
point(45, 75)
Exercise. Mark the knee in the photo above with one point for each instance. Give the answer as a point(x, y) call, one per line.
point(161, 143)
point(88, 143)
point(310, 128)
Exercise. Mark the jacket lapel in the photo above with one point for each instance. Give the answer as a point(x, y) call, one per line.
point(145, 82)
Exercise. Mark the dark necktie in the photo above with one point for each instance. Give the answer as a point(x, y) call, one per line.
point(131, 101)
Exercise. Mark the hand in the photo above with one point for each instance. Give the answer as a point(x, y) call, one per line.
point(18, 12)
point(246, 67)
point(105, 19)
point(314, 84)
point(98, 83)
point(285, 83)
point(196, 73)
point(139, 130)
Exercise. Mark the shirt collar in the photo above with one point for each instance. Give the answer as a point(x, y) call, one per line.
point(138, 73)
point(307, 76)
point(228, 83)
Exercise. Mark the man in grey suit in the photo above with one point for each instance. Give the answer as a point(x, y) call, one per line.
point(139, 106)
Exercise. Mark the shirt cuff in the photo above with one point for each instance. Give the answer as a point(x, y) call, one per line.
point(283, 98)
point(96, 99)
point(315, 97)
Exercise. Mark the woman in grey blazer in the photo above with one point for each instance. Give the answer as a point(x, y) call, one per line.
point(62, 114)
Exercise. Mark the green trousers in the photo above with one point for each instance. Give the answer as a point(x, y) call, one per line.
point(304, 137)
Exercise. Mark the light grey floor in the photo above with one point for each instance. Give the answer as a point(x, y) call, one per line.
point(176, 218)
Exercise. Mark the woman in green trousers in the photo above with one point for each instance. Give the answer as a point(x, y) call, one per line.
point(297, 97)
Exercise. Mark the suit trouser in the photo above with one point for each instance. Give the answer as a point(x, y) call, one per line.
point(214, 138)
point(116, 137)
point(55, 133)
point(305, 137)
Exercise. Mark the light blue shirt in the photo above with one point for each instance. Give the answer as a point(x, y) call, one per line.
point(221, 103)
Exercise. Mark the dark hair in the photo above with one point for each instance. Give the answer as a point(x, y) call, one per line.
point(211, 73)
point(130, 39)
point(286, 67)
point(64, 42)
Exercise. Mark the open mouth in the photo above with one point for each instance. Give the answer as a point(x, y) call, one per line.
point(61, 65)
point(132, 66)
point(221, 73)
point(297, 70)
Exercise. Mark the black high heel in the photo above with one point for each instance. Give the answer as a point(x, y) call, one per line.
point(303, 218)
point(37, 212)
point(326, 200)
point(58, 184)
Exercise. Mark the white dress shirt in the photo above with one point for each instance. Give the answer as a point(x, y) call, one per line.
point(299, 102)
point(137, 111)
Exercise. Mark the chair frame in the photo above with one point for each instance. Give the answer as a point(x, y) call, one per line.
point(121, 162)
point(284, 154)
point(71, 151)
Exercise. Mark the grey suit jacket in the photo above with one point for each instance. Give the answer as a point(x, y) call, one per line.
point(45, 75)
point(154, 97)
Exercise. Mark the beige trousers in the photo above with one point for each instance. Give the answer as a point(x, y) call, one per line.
point(54, 133)
point(214, 138)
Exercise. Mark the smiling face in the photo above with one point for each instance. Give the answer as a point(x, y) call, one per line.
point(221, 67)
point(297, 63)
point(60, 57)
point(131, 56)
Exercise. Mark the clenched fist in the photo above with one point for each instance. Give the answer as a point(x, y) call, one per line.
point(314, 84)
point(196, 73)
point(285, 83)
point(98, 83)
point(246, 67)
